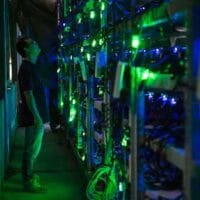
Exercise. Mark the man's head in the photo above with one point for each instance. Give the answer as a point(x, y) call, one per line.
point(28, 48)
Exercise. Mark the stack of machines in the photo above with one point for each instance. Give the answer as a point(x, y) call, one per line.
point(127, 94)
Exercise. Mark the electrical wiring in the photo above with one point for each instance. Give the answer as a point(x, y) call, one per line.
point(164, 128)
point(105, 179)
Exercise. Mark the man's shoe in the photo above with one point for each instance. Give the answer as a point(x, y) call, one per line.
point(34, 187)
point(36, 178)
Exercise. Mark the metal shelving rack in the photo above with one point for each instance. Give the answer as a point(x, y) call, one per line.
point(186, 159)
point(86, 149)
point(178, 157)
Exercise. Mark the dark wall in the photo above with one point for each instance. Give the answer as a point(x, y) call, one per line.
point(3, 46)
point(3, 78)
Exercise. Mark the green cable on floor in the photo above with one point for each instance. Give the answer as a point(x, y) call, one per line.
point(103, 184)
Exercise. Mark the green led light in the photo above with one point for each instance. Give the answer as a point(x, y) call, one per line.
point(58, 70)
point(145, 75)
point(152, 75)
point(94, 43)
point(124, 141)
point(82, 49)
point(88, 56)
point(83, 158)
point(148, 75)
point(103, 6)
point(92, 14)
point(71, 57)
point(79, 18)
point(100, 92)
point(74, 101)
point(135, 41)
point(181, 63)
point(121, 187)
point(153, 23)
point(153, 18)
point(83, 133)
point(72, 114)
point(101, 41)
point(67, 29)
point(61, 104)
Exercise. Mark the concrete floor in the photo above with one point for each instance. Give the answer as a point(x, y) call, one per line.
point(56, 166)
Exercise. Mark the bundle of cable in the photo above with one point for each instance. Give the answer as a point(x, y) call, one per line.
point(103, 184)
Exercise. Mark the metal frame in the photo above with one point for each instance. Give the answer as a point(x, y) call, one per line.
point(136, 109)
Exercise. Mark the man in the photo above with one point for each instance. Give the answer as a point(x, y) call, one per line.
point(33, 111)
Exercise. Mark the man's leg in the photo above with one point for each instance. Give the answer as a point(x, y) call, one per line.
point(33, 142)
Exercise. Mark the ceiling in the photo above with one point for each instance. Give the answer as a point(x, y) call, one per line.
point(37, 19)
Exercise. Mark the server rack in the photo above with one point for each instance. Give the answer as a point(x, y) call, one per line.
point(141, 38)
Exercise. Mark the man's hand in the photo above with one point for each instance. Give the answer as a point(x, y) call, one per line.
point(30, 100)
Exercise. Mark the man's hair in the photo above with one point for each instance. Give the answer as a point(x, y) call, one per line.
point(21, 44)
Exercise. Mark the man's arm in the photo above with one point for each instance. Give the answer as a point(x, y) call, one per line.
point(30, 100)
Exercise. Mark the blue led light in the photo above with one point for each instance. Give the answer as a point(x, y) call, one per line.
point(173, 101)
point(150, 95)
point(157, 51)
point(175, 50)
point(164, 97)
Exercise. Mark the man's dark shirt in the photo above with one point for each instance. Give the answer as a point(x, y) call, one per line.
point(29, 80)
